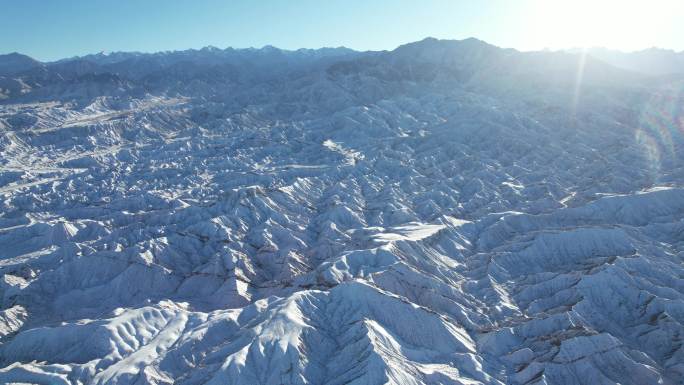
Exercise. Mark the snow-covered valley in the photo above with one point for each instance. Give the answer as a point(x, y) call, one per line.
point(445, 213)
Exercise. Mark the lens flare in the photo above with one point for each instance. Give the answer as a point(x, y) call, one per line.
point(661, 129)
point(650, 150)
point(578, 79)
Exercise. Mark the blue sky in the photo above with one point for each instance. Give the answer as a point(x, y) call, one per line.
point(53, 29)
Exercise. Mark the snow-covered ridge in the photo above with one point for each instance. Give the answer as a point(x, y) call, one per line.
point(445, 213)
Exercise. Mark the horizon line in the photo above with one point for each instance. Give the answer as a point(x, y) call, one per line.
point(266, 46)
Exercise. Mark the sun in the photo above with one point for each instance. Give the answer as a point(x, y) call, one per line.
point(625, 25)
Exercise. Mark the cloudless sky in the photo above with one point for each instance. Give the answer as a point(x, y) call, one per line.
point(54, 29)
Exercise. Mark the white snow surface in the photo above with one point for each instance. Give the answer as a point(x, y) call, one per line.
point(445, 213)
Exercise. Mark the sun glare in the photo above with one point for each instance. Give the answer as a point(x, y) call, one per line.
point(624, 25)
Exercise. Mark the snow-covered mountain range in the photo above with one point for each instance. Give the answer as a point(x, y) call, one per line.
point(448, 212)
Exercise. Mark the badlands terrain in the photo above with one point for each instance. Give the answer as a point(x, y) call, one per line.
point(448, 212)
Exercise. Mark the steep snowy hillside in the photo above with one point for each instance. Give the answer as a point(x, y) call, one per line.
point(445, 213)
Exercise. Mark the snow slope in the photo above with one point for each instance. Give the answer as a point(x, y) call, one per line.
point(445, 213)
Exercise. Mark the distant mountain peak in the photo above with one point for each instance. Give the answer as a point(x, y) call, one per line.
point(15, 62)
point(210, 48)
point(434, 43)
point(650, 61)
